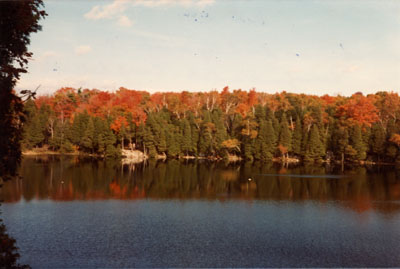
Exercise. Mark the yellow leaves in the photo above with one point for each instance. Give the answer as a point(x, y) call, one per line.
point(231, 144)
point(350, 151)
point(252, 133)
point(210, 126)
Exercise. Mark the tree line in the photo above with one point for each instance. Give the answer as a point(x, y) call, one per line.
point(248, 124)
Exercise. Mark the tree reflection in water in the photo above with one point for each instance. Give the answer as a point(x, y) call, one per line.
point(64, 179)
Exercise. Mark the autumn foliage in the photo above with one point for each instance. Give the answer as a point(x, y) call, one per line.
point(251, 124)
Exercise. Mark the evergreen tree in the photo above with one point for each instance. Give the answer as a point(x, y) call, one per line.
point(266, 141)
point(88, 137)
point(285, 136)
point(220, 131)
point(206, 136)
point(162, 144)
point(109, 142)
point(149, 141)
point(30, 112)
point(195, 134)
point(98, 135)
point(378, 138)
point(315, 149)
point(78, 127)
point(35, 132)
point(248, 150)
point(271, 137)
point(357, 143)
point(341, 141)
point(257, 147)
point(140, 134)
point(297, 137)
point(174, 139)
point(186, 138)
point(304, 142)
point(392, 152)
point(260, 113)
point(275, 123)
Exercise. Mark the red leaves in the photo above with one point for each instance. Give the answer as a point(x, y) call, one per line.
point(44, 100)
point(118, 123)
point(65, 101)
point(358, 109)
point(129, 101)
point(99, 104)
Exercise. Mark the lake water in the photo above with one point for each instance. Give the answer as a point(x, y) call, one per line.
point(71, 212)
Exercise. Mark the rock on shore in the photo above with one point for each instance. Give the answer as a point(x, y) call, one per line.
point(133, 156)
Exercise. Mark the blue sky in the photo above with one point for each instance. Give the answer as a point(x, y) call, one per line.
point(318, 47)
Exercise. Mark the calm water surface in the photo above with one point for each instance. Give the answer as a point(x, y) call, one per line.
point(69, 212)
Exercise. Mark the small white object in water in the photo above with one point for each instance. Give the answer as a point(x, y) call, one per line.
point(62, 182)
point(249, 179)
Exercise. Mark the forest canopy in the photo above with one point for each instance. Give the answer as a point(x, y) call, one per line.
point(249, 124)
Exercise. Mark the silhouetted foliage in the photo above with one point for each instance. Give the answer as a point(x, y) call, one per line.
point(18, 19)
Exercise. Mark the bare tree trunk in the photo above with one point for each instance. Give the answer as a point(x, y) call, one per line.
point(291, 123)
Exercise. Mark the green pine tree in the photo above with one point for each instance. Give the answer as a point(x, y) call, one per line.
point(220, 134)
point(315, 149)
point(206, 136)
point(340, 141)
point(187, 137)
point(357, 143)
point(35, 132)
point(265, 142)
point(87, 140)
point(285, 136)
point(78, 127)
point(174, 138)
point(297, 137)
point(378, 138)
point(162, 144)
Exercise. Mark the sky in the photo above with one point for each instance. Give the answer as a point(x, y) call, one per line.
point(313, 47)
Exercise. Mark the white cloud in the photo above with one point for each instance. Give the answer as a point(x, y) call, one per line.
point(117, 8)
point(186, 3)
point(164, 40)
point(83, 49)
point(124, 21)
point(108, 11)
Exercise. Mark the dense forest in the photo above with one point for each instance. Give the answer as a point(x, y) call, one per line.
point(248, 124)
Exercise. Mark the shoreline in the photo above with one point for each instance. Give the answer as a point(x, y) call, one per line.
point(139, 157)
